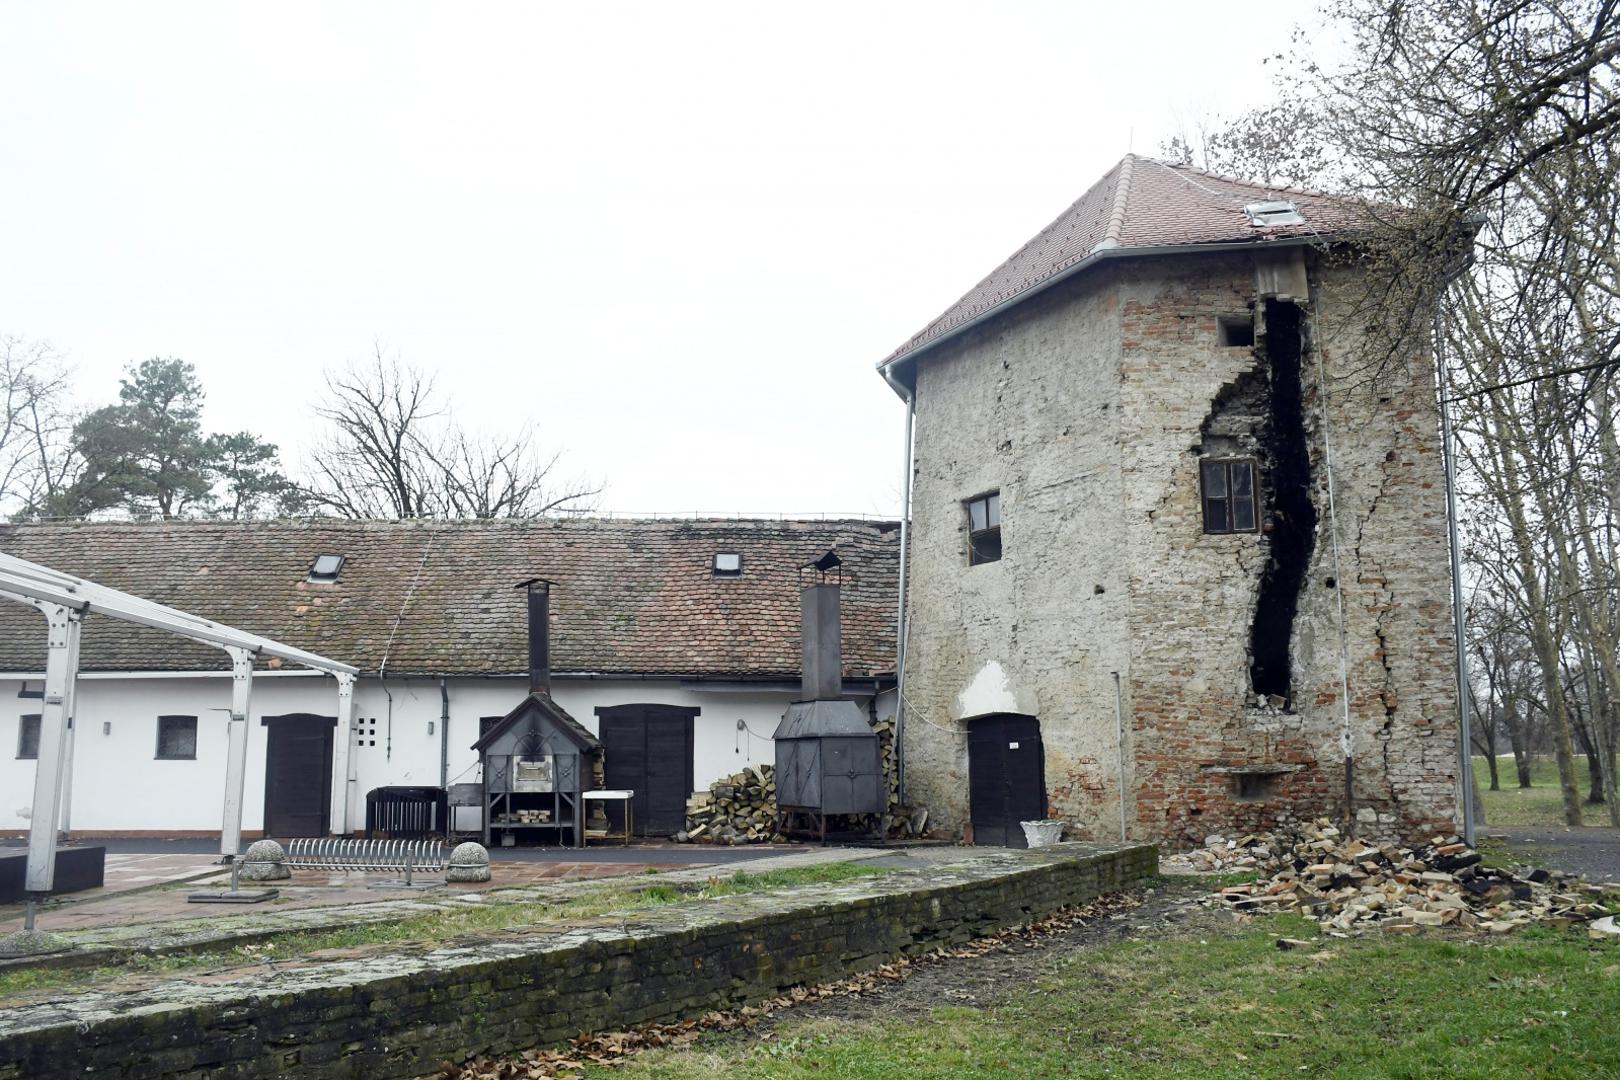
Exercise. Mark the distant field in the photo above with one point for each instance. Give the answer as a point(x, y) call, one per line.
point(1540, 804)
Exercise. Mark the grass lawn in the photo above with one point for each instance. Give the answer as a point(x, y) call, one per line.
point(620, 894)
point(1227, 1004)
point(1539, 804)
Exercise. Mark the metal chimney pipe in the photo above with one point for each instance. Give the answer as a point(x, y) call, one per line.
point(821, 643)
point(539, 597)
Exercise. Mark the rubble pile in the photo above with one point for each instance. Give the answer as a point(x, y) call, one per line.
point(740, 809)
point(1350, 885)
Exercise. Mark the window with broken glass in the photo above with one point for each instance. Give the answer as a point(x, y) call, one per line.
point(1230, 505)
point(984, 528)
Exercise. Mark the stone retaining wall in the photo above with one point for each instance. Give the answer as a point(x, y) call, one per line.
point(399, 1015)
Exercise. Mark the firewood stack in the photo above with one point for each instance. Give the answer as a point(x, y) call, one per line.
point(1351, 886)
point(741, 809)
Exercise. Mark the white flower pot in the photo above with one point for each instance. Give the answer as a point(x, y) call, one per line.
point(1042, 833)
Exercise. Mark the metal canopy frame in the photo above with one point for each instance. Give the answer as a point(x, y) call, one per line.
point(64, 600)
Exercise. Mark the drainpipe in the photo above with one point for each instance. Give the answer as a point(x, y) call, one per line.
point(1119, 726)
point(444, 732)
point(1346, 731)
point(1466, 752)
point(901, 624)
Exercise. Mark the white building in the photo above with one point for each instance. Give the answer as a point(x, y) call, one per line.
point(687, 629)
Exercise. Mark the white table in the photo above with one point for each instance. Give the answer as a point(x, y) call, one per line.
point(624, 795)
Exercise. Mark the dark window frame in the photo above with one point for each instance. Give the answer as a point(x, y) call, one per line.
point(158, 753)
point(317, 577)
point(984, 542)
point(1221, 508)
point(727, 574)
point(23, 723)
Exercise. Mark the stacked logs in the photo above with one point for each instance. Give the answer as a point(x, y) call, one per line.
point(740, 809)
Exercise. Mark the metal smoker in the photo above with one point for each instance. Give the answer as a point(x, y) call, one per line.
point(828, 759)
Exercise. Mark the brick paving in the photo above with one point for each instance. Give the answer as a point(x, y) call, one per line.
point(153, 889)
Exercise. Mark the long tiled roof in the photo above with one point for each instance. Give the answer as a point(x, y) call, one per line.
point(1140, 203)
point(631, 596)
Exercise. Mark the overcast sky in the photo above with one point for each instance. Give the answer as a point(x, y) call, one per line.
point(679, 236)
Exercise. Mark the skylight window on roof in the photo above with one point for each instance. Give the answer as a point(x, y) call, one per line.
point(1275, 212)
point(326, 567)
point(727, 564)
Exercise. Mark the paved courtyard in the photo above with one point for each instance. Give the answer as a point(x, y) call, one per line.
point(149, 880)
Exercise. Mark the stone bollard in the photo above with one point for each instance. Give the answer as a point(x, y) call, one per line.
point(265, 860)
point(468, 862)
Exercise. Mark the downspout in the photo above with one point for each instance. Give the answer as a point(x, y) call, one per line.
point(1465, 752)
point(1119, 735)
point(901, 625)
point(444, 732)
point(1346, 732)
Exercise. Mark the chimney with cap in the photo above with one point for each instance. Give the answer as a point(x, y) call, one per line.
point(539, 597)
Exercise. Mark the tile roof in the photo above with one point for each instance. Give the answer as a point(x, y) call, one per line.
point(631, 596)
point(1140, 203)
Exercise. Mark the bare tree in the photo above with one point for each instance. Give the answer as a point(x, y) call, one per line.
point(393, 450)
point(37, 459)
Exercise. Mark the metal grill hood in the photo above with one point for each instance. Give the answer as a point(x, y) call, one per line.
point(820, 719)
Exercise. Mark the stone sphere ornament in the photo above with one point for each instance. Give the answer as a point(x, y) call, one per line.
point(265, 860)
point(468, 862)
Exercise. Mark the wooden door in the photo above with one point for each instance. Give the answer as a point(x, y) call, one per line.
point(648, 749)
point(1006, 777)
point(298, 775)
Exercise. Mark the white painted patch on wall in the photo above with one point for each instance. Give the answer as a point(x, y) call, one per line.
point(991, 691)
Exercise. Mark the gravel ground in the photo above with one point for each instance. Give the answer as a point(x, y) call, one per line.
point(1593, 853)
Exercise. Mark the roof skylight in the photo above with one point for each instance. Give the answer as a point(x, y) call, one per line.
point(727, 564)
point(325, 569)
point(1274, 212)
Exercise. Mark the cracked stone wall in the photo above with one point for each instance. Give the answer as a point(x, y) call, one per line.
point(1089, 409)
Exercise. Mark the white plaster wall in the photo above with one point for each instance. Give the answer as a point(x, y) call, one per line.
point(118, 786)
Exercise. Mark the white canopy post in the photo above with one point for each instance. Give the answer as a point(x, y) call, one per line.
point(230, 833)
point(60, 674)
point(342, 741)
point(70, 709)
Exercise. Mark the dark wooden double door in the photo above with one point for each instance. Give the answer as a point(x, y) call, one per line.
point(648, 749)
point(298, 775)
point(1006, 777)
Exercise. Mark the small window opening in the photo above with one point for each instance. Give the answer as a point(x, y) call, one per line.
point(1254, 787)
point(28, 737)
point(984, 529)
point(1230, 503)
point(325, 569)
point(1273, 212)
point(177, 738)
point(1235, 331)
point(727, 564)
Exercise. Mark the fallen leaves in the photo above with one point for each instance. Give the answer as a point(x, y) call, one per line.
point(611, 1048)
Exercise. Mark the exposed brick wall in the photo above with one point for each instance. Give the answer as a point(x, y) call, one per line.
point(399, 1016)
point(1087, 407)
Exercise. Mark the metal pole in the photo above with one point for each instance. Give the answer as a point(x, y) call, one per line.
point(900, 624)
point(230, 833)
point(63, 623)
point(70, 704)
point(342, 756)
point(1346, 732)
point(1460, 628)
point(1119, 725)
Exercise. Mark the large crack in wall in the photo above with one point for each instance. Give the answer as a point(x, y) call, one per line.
point(1290, 513)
